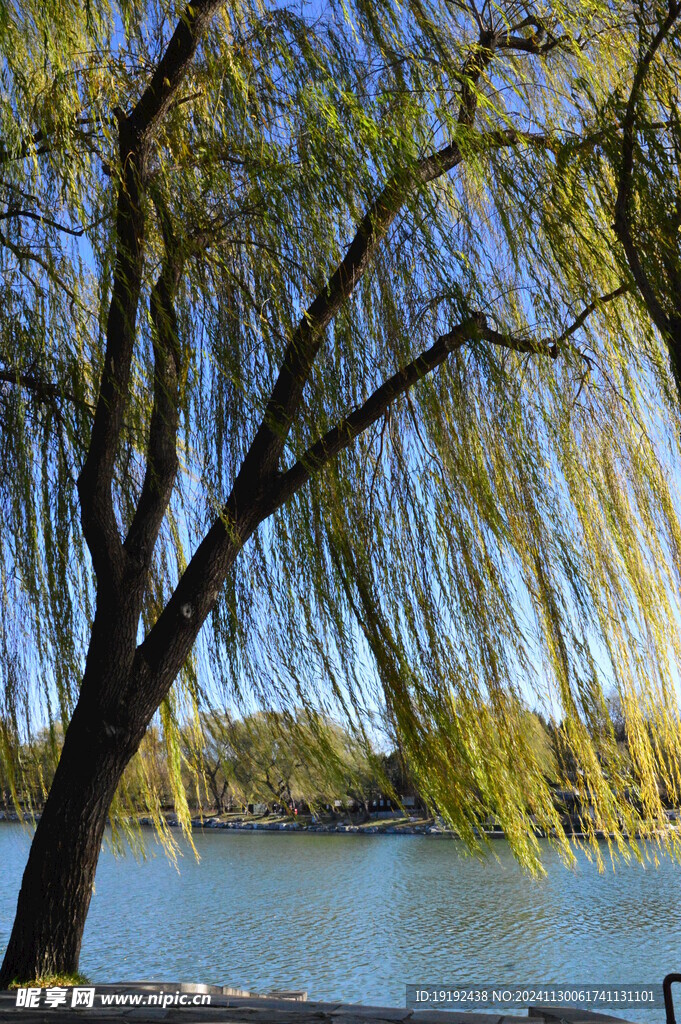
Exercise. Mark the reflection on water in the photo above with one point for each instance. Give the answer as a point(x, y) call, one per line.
point(357, 918)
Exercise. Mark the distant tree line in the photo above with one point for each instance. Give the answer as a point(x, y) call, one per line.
point(284, 762)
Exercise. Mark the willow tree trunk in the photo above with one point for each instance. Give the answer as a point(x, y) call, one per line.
point(107, 726)
point(123, 685)
point(59, 876)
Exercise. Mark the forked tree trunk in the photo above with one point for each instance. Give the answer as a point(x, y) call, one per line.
point(119, 695)
point(59, 876)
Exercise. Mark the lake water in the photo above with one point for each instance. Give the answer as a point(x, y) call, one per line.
point(357, 918)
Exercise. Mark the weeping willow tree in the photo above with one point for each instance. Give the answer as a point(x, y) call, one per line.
point(323, 372)
point(275, 758)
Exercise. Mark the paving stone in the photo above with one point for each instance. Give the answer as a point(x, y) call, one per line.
point(146, 1013)
point(372, 1012)
point(242, 1009)
point(265, 1003)
point(455, 1017)
point(574, 1015)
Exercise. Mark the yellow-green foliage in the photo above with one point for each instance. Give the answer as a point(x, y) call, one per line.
point(508, 535)
point(279, 758)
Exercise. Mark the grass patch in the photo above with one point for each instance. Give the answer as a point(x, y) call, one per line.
point(52, 981)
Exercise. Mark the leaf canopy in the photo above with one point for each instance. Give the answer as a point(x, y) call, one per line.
point(505, 533)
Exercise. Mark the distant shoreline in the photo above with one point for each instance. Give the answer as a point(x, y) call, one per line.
point(381, 826)
point(375, 827)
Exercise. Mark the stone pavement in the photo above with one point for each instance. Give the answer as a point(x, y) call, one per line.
point(228, 1006)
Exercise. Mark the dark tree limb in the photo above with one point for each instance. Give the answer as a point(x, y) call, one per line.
point(161, 93)
point(476, 328)
point(98, 518)
point(532, 44)
point(165, 649)
point(591, 308)
point(95, 482)
point(162, 459)
point(268, 445)
point(623, 218)
point(11, 213)
point(344, 433)
point(44, 390)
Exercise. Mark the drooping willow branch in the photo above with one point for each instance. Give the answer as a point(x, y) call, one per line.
point(669, 326)
point(44, 390)
point(475, 328)
point(252, 498)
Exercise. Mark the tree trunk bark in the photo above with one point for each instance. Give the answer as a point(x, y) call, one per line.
point(121, 690)
point(59, 876)
point(218, 795)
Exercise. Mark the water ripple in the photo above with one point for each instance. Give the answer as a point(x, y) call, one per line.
point(357, 918)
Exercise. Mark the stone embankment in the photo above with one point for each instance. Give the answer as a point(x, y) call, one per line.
point(384, 827)
point(226, 1007)
point(375, 827)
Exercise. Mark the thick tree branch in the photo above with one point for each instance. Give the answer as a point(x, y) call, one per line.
point(344, 433)
point(10, 214)
point(162, 654)
point(162, 459)
point(476, 328)
point(537, 44)
point(97, 511)
point(589, 309)
point(623, 222)
point(95, 481)
point(161, 93)
point(268, 445)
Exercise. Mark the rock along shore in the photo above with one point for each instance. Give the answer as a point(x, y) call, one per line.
point(385, 826)
point(380, 827)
